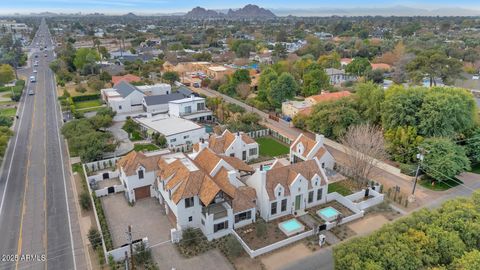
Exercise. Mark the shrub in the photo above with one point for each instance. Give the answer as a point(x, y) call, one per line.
point(80, 89)
point(260, 228)
point(85, 202)
point(233, 247)
point(189, 237)
point(94, 237)
point(112, 263)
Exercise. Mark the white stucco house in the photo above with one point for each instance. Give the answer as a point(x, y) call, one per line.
point(126, 98)
point(289, 189)
point(179, 132)
point(238, 145)
point(137, 173)
point(191, 108)
point(304, 148)
point(123, 98)
point(205, 192)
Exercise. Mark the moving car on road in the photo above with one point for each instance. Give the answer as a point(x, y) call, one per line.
point(33, 79)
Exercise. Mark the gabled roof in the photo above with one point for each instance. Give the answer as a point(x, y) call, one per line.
point(220, 144)
point(124, 88)
point(287, 174)
point(307, 143)
point(162, 99)
point(207, 160)
point(133, 160)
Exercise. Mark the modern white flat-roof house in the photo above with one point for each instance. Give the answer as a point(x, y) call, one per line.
point(179, 132)
point(238, 145)
point(205, 192)
point(191, 108)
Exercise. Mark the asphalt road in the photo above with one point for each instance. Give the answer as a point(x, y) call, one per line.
point(38, 218)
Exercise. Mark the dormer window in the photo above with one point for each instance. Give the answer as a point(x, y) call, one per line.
point(140, 174)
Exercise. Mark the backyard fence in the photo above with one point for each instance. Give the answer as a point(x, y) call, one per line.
point(101, 164)
point(274, 246)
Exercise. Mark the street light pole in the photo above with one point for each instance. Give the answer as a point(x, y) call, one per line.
point(420, 157)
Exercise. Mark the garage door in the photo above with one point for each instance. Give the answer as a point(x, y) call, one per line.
point(143, 192)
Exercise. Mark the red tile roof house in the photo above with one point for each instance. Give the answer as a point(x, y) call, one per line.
point(128, 78)
point(381, 66)
point(324, 96)
point(238, 145)
point(202, 190)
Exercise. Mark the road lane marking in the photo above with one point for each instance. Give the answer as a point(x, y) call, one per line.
point(20, 234)
point(63, 168)
point(45, 175)
point(17, 134)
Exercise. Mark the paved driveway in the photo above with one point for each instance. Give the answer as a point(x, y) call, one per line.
point(148, 218)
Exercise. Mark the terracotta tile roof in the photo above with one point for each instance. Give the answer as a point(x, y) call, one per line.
point(383, 66)
point(237, 164)
point(133, 160)
point(286, 174)
point(244, 199)
point(328, 96)
point(221, 178)
point(129, 78)
point(346, 60)
point(196, 146)
point(320, 152)
point(207, 159)
point(308, 144)
point(247, 139)
point(219, 144)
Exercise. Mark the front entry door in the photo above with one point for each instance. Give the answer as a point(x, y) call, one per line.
point(298, 200)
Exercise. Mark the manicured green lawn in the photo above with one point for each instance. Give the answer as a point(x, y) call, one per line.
point(88, 104)
point(271, 148)
point(136, 136)
point(145, 147)
point(340, 188)
point(439, 186)
point(8, 112)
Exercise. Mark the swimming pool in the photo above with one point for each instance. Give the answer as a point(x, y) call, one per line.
point(328, 213)
point(267, 167)
point(291, 227)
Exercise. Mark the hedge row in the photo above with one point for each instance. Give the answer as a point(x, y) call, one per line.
point(86, 97)
point(103, 222)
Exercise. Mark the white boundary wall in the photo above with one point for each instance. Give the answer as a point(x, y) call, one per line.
point(99, 177)
point(101, 164)
point(279, 244)
point(104, 191)
point(118, 254)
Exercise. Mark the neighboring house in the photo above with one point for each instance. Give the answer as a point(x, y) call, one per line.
point(218, 72)
point(159, 103)
point(238, 145)
point(289, 189)
point(180, 133)
point(327, 96)
point(191, 108)
point(338, 76)
point(123, 98)
point(381, 66)
point(345, 61)
point(126, 98)
point(304, 149)
point(290, 108)
point(137, 174)
point(205, 192)
point(128, 78)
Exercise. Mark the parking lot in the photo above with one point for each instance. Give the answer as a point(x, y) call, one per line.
point(147, 218)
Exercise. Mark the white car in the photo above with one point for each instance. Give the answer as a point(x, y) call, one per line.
point(34, 71)
point(476, 77)
point(33, 79)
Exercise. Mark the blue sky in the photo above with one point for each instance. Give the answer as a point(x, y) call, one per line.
point(164, 6)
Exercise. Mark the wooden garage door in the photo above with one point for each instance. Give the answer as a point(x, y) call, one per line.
point(143, 192)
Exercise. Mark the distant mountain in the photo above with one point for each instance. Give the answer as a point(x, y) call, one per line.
point(250, 12)
point(201, 13)
point(247, 12)
point(379, 11)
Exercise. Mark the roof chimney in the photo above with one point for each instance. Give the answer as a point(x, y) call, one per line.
point(320, 138)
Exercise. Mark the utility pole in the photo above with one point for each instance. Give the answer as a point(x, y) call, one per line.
point(126, 261)
point(420, 157)
point(129, 234)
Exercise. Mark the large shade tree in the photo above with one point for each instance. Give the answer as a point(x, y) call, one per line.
point(434, 64)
